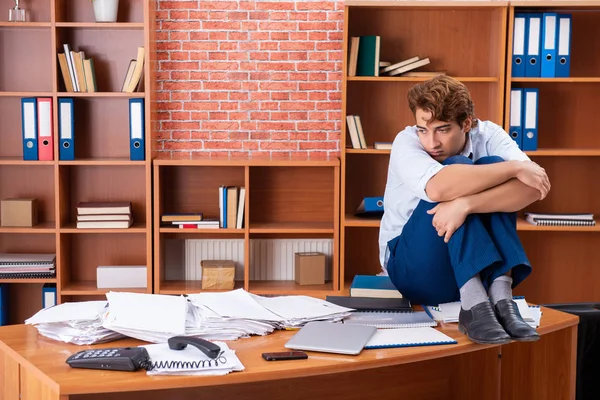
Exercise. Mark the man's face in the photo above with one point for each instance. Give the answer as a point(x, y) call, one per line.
point(439, 138)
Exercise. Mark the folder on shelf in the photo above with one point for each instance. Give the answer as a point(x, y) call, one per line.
point(3, 304)
point(29, 123)
point(45, 129)
point(136, 130)
point(563, 55)
point(533, 39)
point(48, 295)
point(370, 206)
point(530, 119)
point(516, 116)
point(549, 37)
point(66, 129)
point(518, 51)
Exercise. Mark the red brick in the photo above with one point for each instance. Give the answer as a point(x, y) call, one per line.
point(238, 96)
point(181, 26)
point(221, 25)
point(202, 45)
point(275, 6)
point(317, 16)
point(200, 135)
point(229, 106)
point(239, 136)
point(222, 126)
point(280, 116)
point(259, 116)
point(298, 16)
point(181, 135)
point(317, 5)
point(179, 125)
point(248, 125)
point(181, 116)
point(318, 86)
point(298, 136)
point(217, 15)
point(198, 15)
point(217, 35)
point(217, 116)
point(219, 96)
point(258, 15)
point(276, 126)
point(217, 5)
point(228, 144)
point(317, 96)
point(279, 145)
point(249, 26)
point(299, 116)
point(198, 116)
point(182, 15)
point(219, 136)
point(277, 26)
point(297, 105)
point(178, 65)
point(279, 36)
point(237, 36)
point(278, 56)
point(278, 86)
point(259, 55)
point(174, 5)
point(280, 96)
point(318, 56)
point(280, 76)
point(238, 116)
point(280, 136)
point(312, 126)
point(318, 36)
point(279, 16)
point(299, 96)
point(309, 145)
point(260, 96)
point(260, 136)
point(179, 56)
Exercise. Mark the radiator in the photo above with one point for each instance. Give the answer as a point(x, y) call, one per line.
point(270, 259)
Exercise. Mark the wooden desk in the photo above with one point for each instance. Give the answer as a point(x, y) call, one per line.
point(34, 368)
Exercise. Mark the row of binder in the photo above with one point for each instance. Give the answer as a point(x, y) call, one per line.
point(48, 299)
point(541, 45)
point(38, 129)
point(524, 117)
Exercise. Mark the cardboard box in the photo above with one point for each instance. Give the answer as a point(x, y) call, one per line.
point(19, 212)
point(217, 274)
point(121, 276)
point(309, 268)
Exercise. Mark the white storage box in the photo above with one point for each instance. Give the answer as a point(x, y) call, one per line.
point(121, 276)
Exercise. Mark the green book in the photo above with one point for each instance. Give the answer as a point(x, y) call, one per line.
point(368, 56)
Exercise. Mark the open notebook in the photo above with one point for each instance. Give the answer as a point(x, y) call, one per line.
point(379, 319)
point(386, 338)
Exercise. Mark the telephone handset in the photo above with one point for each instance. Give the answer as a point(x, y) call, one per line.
point(134, 358)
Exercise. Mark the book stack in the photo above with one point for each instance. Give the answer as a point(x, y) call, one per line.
point(231, 206)
point(404, 67)
point(560, 219)
point(379, 286)
point(108, 215)
point(189, 221)
point(355, 130)
point(23, 265)
point(77, 71)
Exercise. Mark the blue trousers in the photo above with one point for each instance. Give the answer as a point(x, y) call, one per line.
point(429, 271)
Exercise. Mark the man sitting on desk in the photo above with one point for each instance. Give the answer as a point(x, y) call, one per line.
point(449, 226)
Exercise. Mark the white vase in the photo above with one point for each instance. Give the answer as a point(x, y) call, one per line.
point(106, 10)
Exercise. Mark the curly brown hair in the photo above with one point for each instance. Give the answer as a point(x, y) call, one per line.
point(445, 97)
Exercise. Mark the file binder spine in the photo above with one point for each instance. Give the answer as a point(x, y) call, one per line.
point(563, 54)
point(29, 121)
point(534, 36)
point(549, 45)
point(530, 119)
point(136, 130)
point(516, 111)
point(66, 129)
point(518, 53)
point(3, 304)
point(45, 129)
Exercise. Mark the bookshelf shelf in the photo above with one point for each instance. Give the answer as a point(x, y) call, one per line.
point(103, 161)
point(17, 25)
point(220, 231)
point(20, 161)
point(354, 221)
point(89, 288)
point(134, 229)
point(104, 25)
point(564, 153)
point(369, 150)
point(557, 80)
point(286, 287)
point(292, 227)
point(418, 79)
point(25, 94)
point(103, 94)
point(43, 227)
point(186, 287)
point(523, 225)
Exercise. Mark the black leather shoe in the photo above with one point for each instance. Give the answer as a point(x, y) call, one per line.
point(510, 318)
point(481, 325)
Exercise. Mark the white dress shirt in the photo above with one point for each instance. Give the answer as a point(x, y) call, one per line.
point(411, 167)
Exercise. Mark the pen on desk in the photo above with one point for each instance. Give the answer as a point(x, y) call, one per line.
point(291, 328)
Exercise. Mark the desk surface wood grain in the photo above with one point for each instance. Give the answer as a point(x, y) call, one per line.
point(46, 359)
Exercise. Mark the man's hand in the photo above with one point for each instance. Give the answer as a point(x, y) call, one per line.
point(534, 176)
point(449, 216)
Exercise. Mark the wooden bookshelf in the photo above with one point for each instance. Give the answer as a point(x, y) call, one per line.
point(101, 171)
point(407, 29)
point(564, 259)
point(285, 199)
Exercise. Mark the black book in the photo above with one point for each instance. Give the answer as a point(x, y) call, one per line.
point(371, 303)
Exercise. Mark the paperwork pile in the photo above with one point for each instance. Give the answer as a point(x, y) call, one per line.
point(213, 316)
point(77, 323)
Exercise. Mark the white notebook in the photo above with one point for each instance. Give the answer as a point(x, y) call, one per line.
point(386, 338)
point(382, 319)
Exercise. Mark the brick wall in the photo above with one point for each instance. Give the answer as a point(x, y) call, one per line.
point(238, 77)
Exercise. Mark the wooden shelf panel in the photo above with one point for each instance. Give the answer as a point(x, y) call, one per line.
point(256, 161)
point(523, 225)
point(558, 80)
point(369, 150)
point(25, 94)
point(564, 153)
point(102, 94)
point(494, 79)
point(17, 25)
point(186, 287)
point(89, 288)
point(289, 287)
point(39, 280)
point(104, 25)
point(102, 161)
point(291, 227)
point(219, 231)
point(20, 161)
point(42, 227)
point(352, 220)
point(135, 228)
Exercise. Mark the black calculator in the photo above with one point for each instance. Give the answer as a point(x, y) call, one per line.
point(117, 359)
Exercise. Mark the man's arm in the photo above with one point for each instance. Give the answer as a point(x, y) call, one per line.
point(460, 180)
point(510, 196)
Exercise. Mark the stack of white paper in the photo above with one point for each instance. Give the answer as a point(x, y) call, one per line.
point(78, 323)
point(191, 361)
point(149, 317)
